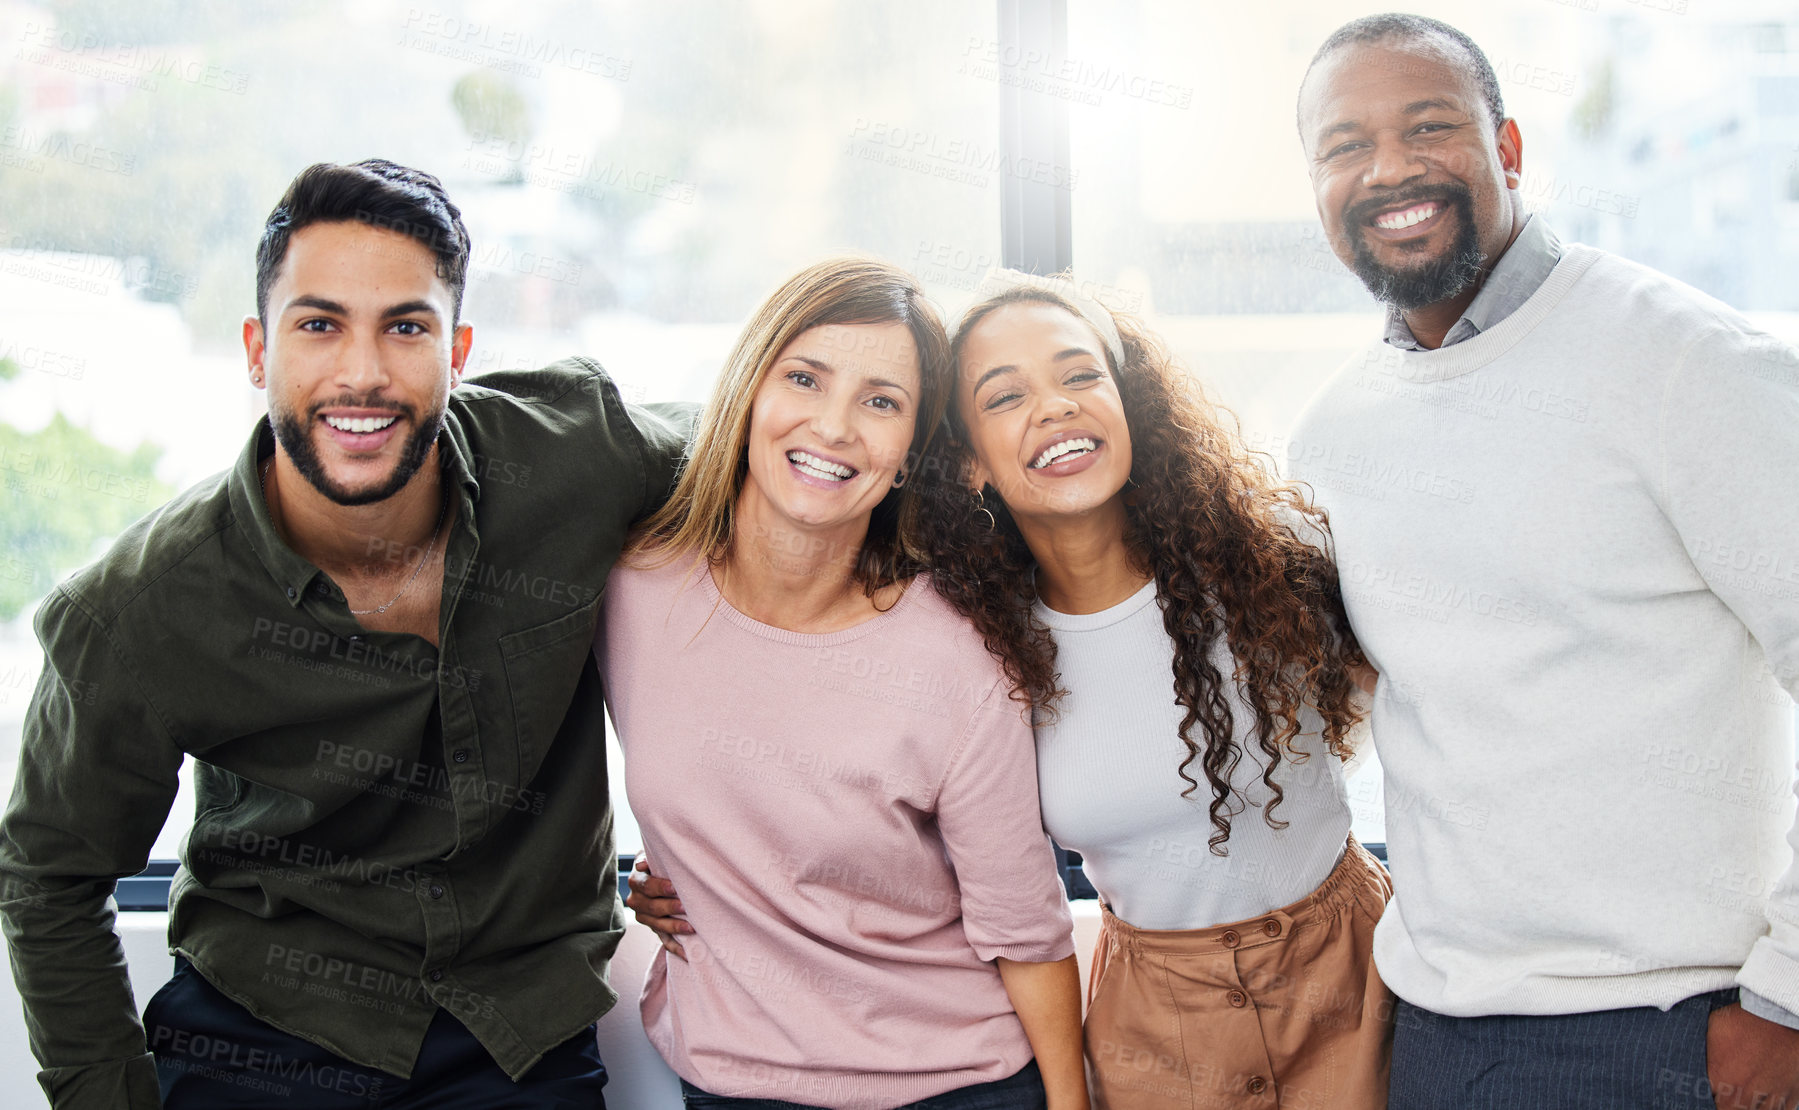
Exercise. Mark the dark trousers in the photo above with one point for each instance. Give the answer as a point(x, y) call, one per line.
point(211, 1052)
point(1021, 1091)
point(1634, 1059)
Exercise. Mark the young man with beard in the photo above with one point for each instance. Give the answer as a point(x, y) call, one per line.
point(372, 636)
point(1583, 599)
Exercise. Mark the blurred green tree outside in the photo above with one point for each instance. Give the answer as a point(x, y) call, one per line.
point(63, 496)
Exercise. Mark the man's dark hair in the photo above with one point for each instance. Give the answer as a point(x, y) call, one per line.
point(376, 192)
point(1401, 25)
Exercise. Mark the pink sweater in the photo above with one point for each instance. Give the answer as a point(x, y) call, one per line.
point(851, 822)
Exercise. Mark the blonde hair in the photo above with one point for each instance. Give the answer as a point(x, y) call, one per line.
point(698, 517)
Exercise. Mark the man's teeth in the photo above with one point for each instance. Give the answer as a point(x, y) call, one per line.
point(1060, 450)
point(1395, 221)
point(363, 424)
point(821, 468)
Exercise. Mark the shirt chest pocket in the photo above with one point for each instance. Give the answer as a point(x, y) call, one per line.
point(543, 666)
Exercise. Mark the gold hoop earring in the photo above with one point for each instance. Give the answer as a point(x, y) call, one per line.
point(981, 509)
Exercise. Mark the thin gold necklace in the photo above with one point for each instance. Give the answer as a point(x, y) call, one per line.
point(443, 509)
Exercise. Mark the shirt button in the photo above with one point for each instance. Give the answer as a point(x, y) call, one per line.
point(436, 891)
point(437, 974)
point(1271, 927)
point(460, 755)
point(1257, 1084)
point(1230, 938)
point(1237, 998)
point(292, 593)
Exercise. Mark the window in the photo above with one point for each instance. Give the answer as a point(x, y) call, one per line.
point(1192, 203)
point(636, 177)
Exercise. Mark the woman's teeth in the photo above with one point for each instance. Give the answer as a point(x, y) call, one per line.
point(361, 424)
point(820, 468)
point(1062, 450)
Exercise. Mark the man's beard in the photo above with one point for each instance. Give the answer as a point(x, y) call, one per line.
point(291, 434)
point(1434, 281)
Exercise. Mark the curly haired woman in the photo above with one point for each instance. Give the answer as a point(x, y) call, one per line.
point(1164, 605)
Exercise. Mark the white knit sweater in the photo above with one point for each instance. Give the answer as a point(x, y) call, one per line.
point(1570, 544)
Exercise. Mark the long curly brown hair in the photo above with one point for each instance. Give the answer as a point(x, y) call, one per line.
point(1221, 536)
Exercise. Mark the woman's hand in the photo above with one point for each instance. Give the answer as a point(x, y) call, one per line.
point(653, 900)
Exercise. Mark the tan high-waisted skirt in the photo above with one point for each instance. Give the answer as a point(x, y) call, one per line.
point(1280, 1012)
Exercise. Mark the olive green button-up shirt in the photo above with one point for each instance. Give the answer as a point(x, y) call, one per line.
point(383, 828)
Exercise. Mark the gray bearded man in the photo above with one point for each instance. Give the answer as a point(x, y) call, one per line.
point(1580, 711)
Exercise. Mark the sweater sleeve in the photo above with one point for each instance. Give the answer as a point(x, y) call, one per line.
point(1013, 903)
point(1729, 452)
point(1768, 1011)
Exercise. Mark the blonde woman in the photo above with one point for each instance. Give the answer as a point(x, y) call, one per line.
point(823, 756)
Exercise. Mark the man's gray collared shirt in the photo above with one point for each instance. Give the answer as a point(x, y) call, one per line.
point(1519, 272)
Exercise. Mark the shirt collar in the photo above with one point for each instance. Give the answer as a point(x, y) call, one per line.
point(292, 574)
point(1520, 271)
